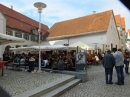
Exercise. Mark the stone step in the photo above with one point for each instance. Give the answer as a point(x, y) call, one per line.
point(37, 92)
point(62, 89)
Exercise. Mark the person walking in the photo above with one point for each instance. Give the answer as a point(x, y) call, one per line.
point(108, 63)
point(119, 66)
point(126, 61)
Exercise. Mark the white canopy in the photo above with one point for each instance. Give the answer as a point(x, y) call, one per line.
point(82, 45)
point(43, 48)
point(5, 39)
point(24, 49)
point(51, 47)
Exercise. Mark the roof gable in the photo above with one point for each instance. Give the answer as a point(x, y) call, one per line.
point(123, 23)
point(129, 30)
point(97, 22)
point(128, 33)
point(3, 15)
point(118, 20)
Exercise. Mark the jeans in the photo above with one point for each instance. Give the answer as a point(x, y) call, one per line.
point(36, 65)
point(108, 72)
point(126, 66)
point(25, 64)
point(120, 74)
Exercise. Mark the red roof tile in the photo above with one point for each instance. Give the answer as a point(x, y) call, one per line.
point(118, 20)
point(123, 23)
point(93, 23)
point(128, 32)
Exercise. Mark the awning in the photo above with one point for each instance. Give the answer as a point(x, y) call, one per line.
point(51, 47)
point(24, 49)
point(5, 39)
point(42, 48)
point(82, 45)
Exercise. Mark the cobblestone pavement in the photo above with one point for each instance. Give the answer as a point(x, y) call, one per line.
point(96, 87)
point(18, 82)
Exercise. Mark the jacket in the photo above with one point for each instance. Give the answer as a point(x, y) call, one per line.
point(108, 61)
point(118, 58)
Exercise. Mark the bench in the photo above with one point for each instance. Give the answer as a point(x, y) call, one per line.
point(15, 65)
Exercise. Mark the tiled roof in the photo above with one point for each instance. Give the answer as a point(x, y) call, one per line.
point(128, 32)
point(118, 20)
point(123, 23)
point(18, 21)
point(94, 23)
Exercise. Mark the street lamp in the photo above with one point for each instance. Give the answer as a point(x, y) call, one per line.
point(40, 6)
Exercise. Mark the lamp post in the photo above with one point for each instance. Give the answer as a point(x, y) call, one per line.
point(40, 6)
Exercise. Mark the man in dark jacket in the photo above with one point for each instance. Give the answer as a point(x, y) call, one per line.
point(108, 63)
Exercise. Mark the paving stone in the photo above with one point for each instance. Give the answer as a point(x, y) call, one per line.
point(18, 82)
point(96, 86)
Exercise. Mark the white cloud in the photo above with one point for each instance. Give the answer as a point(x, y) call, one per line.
point(119, 8)
point(60, 10)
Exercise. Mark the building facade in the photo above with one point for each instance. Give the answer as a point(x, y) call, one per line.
point(17, 25)
point(97, 30)
point(128, 40)
point(120, 23)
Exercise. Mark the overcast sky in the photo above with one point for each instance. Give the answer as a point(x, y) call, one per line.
point(61, 10)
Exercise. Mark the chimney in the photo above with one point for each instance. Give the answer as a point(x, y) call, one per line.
point(11, 7)
point(94, 12)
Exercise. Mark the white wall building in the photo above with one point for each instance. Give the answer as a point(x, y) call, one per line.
point(128, 40)
point(120, 23)
point(97, 30)
point(17, 25)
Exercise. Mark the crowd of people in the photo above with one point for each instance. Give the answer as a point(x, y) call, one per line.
point(109, 59)
point(56, 62)
point(95, 58)
point(116, 59)
point(52, 61)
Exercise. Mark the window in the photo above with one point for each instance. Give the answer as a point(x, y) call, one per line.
point(25, 45)
point(9, 32)
point(18, 46)
point(18, 34)
point(36, 38)
point(26, 36)
point(33, 38)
